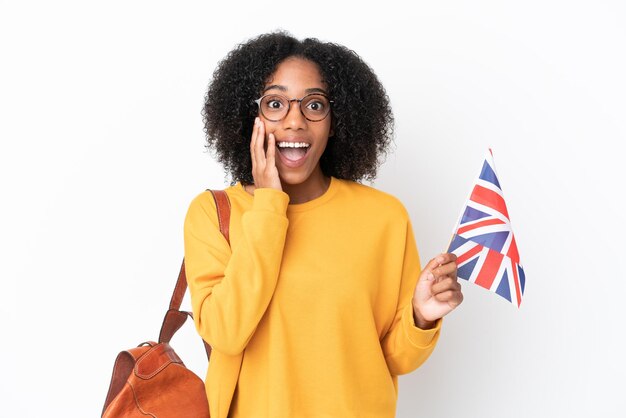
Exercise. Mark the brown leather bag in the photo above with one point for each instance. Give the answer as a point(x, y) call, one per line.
point(150, 380)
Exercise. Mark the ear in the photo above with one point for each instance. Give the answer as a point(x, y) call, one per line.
point(331, 131)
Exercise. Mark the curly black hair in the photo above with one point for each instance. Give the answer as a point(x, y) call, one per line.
point(362, 119)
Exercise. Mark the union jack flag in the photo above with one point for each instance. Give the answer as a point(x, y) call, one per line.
point(483, 240)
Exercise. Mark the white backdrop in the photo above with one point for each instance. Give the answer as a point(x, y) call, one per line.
point(102, 151)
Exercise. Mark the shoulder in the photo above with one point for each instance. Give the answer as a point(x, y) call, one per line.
point(201, 212)
point(374, 200)
point(203, 205)
point(202, 202)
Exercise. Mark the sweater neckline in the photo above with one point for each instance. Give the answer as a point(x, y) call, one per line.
point(300, 207)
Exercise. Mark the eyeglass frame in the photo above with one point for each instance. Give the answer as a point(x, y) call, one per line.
point(258, 103)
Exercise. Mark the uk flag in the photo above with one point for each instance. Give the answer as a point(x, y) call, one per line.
point(483, 240)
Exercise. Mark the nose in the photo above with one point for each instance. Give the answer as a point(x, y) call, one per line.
point(294, 119)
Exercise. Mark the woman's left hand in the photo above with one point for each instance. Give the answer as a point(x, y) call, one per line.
point(438, 291)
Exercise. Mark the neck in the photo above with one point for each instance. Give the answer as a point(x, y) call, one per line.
point(312, 188)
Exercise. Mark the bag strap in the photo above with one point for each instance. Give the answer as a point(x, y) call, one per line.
point(174, 317)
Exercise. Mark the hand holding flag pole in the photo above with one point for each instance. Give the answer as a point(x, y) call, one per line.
point(437, 292)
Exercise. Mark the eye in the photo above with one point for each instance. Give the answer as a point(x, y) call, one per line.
point(316, 105)
point(274, 104)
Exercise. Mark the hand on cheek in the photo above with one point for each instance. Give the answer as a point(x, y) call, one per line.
point(263, 155)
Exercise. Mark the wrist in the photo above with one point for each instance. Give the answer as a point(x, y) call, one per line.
point(420, 321)
point(272, 200)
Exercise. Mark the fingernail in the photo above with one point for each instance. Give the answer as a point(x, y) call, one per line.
point(430, 276)
point(440, 259)
point(256, 120)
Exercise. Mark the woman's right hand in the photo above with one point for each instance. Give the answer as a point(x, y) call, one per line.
point(264, 171)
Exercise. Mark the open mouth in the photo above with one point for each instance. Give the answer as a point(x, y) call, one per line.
point(293, 151)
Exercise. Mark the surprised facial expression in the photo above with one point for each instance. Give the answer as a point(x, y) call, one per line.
point(299, 142)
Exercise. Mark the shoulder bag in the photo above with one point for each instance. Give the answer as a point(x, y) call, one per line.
point(150, 380)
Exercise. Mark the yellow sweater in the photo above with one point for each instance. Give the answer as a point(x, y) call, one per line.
point(309, 314)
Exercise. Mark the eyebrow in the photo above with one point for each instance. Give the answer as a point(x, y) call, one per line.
point(284, 89)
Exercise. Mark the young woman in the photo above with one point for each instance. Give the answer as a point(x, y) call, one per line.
point(319, 302)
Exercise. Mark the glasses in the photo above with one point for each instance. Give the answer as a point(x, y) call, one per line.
point(314, 107)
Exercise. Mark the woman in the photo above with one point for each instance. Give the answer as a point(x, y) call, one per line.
point(315, 308)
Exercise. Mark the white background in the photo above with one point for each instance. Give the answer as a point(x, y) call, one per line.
point(102, 151)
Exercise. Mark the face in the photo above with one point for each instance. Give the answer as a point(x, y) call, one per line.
point(299, 142)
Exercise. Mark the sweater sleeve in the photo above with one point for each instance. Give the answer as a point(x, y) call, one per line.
point(406, 346)
point(230, 290)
